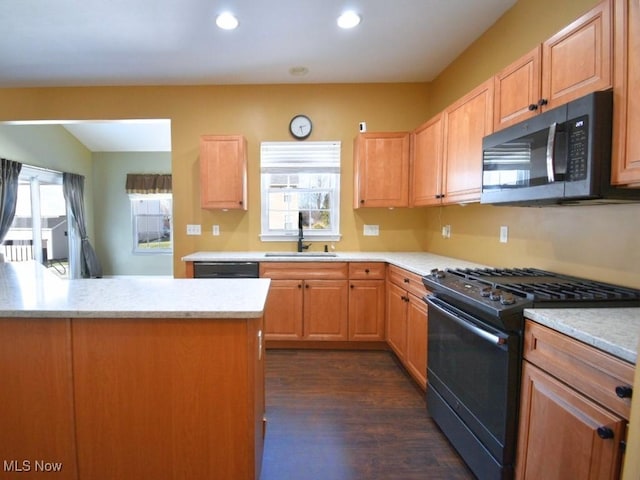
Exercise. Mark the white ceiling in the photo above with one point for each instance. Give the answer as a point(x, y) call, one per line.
point(170, 42)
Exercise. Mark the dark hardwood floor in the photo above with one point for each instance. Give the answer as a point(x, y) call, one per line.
point(350, 415)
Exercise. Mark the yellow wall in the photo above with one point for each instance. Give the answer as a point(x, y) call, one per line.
point(261, 113)
point(595, 241)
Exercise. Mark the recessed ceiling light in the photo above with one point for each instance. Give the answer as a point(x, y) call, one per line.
point(348, 19)
point(226, 21)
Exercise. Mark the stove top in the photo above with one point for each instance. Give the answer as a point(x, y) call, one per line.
point(501, 292)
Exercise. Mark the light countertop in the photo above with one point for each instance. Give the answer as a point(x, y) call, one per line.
point(613, 330)
point(27, 289)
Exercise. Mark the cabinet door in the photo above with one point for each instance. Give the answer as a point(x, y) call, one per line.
point(558, 436)
point(326, 310)
point(577, 60)
point(366, 310)
point(223, 172)
point(381, 177)
point(283, 310)
point(397, 319)
point(517, 90)
point(416, 359)
point(426, 163)
point(466, 122)
point(626, 142)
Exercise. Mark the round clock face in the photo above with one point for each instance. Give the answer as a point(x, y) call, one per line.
point(300, 127)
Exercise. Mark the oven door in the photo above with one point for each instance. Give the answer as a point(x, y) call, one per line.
point(473, 374)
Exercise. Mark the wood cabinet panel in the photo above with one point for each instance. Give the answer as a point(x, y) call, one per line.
point(381, 170)
point(283, 310)
point(396, 319)
point(366, 310)
point(558, 436)
point(223, 172)
point(37, 407)
point(588, 370)
point(517, 90)
point(626, 123)
point(305, 270)
point(466, 123)
point(416, 358)
point(577, 60)
point(165, 399)
point(325, 310)
point(367, 270)
point(411, 282)
point(426, 163)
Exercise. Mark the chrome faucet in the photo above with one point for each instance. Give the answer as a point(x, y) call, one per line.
point(301, 247)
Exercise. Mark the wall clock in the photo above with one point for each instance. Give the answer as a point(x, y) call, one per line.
point(300, 127)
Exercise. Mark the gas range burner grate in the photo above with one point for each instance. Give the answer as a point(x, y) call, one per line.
point(543, 286)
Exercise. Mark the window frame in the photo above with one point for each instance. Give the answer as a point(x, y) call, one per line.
point(136, 249)
point(297, 158)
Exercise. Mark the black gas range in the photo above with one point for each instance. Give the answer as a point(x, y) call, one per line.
point(475, 331)
point(499, 295)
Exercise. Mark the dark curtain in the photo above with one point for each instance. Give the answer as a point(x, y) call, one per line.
point(73, 188)
point(147, 183)
point(9, 172)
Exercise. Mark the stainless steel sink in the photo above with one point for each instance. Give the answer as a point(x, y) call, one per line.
point(299, 254)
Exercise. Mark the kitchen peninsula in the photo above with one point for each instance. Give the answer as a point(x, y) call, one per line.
point(130, 378)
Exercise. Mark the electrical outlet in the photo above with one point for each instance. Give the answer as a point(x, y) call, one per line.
point(504, 234)
point(194, 230)
point(215, 230)
point(371, 230)
point(446, 231)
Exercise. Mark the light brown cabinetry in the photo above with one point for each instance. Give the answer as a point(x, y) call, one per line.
point(426, 163)
point(572, 63)
point(406, 320)
point(36, 406)
point(466, 123)
point(367, 301)
point(307, 300)
point(223, 172)
point(626, 124)
point(381, 170)
point(133, 398)
point(572, 421)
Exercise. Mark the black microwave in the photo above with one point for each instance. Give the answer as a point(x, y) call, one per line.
point(561, 156)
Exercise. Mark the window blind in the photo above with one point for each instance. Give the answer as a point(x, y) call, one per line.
point(300, 157)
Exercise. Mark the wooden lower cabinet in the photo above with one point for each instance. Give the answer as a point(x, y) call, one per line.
point(366, 310)
point(572, 421)
point(36, 403)
point(325, 310)
point(283, 311)
point(406, 321)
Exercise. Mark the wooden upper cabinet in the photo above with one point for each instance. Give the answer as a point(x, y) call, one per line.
point(577, 60)
point(625, 169)
point(223, 172)
point(426, 163)
point(517, 90)
point(381, 170)
point(466, 123)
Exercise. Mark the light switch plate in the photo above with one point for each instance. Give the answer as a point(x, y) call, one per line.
point(215, 230)
point(504, 234)
point(371, 230)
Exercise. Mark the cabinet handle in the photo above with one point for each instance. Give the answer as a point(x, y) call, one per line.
point(605, 433)
point(353, 286)
point(542, 102)
point(240, 202)
point(533, 107)
point(624, 391)
point(406, 280)
point(361, 202)
point(306, 285)
point(366, 270)
point(299, 285)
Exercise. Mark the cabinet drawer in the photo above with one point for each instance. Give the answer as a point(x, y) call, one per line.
point(411, 282)
point(590, 371)
point(304, 270)
point(367, 270)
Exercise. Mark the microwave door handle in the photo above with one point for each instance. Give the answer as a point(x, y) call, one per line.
point(489, 337)
point(551, 144)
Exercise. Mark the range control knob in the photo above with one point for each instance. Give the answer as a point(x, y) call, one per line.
point(485, 291)
point(507, 299)
point(437, 273)
point(495, 295)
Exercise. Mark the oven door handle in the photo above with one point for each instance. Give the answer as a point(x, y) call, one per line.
point(441, 307)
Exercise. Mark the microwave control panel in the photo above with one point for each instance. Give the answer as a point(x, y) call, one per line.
point(578, 149)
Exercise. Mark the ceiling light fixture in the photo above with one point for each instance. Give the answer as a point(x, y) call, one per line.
point(226, 21)
point(348, 19)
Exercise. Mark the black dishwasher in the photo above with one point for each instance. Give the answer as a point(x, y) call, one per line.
point(225, 269)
